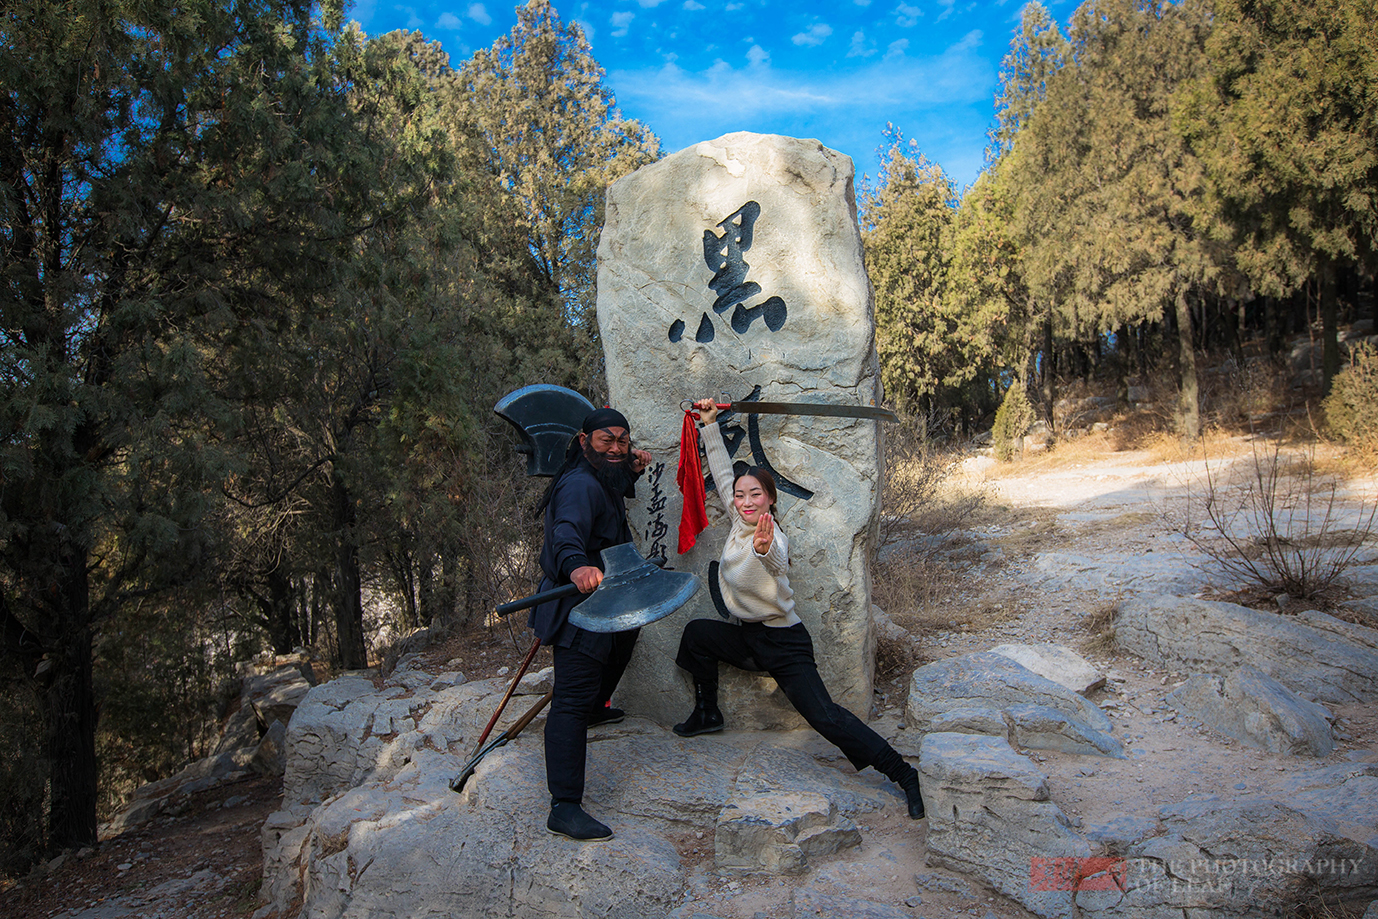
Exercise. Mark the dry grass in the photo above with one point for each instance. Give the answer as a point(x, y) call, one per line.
point(921, 548)
point(1100, 628)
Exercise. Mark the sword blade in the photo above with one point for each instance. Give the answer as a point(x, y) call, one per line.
point(812, 408)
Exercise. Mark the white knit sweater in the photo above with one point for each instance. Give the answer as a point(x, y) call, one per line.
point(754, 587)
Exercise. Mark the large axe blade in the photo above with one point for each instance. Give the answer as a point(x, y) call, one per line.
point(634, 593)
point(547, 417)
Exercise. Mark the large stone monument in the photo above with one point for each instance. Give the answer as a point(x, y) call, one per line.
point(734, 268)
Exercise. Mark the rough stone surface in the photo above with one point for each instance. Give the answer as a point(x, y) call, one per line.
point(369, 826)
point(270, 756)
point(778, 833)
point(812, 903)
point(241, 730)
point(1060, 664)
point(267, 684)
point(1041, 727)
point(989, 816)
point(1214, 637)
point(1253, 707)
point(971, 721)
point(1220, 859)
point(991, 681)
point(274, 696)
point(800, 327)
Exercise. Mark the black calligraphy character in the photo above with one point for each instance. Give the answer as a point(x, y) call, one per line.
point(723, 254)
point(657, 527)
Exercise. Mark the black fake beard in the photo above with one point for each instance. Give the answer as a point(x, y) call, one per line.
point(617, 478)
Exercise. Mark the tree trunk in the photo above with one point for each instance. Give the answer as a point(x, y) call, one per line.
point(280, 612)
point(1273, 332)
point(349, 601)
point(1189, 407)
point(1330, 326)
point(69, 710)
point(1049, 378)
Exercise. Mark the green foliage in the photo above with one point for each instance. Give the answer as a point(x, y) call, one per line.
point(1285, 120)
point(906, 215)
point(550, 133)
point(1037, 53)
point(158, 678)
point(1351, 409)
point(1012, 421)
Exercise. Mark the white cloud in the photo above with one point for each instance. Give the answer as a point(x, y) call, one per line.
point(907, 16)
point(947, 9)
point(650, 4)
point(896, 48)
point(692, 6)
point(621, 22)
point(860, 46)
point(758, 56)
point(862, 3)
point(480, 15)
point(815, 36)
point(969, 42)
point(449, 21)
point(943, 100)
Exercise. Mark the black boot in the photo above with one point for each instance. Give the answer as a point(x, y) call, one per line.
point(567, 818)
point(705, 718)
point(893, 766)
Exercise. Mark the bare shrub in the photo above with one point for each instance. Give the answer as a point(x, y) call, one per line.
point(1281, 528)
point(1239, 393)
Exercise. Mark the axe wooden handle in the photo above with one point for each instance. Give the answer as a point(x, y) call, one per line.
point(554, 593)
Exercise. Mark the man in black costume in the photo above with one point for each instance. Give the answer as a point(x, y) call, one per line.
point(585, 513)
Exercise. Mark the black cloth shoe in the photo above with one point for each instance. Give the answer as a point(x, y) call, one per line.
point(605, 715)
point(705, 718)
point(568, 819)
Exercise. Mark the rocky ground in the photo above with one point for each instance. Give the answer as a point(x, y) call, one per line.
point(1059, 541)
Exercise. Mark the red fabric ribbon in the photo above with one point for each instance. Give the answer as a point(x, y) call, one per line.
point(693, 518)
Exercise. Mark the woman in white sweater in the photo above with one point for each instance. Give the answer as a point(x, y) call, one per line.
point(765, 633)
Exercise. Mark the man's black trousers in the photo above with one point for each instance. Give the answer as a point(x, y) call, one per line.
point(586, 673)
point(787, 655)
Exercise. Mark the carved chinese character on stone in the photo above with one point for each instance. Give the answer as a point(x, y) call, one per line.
point(697, 248)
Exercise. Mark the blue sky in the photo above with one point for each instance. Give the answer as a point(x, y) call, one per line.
point(693, 70)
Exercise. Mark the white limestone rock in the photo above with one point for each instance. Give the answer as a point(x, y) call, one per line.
point(275, 695)
point(1060, 664)
point(800, 327)
point(989, 816)
point(1041, 727)
point(1254, 708)
point(1213, 637)
point(778, 833)
point(991, 681)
